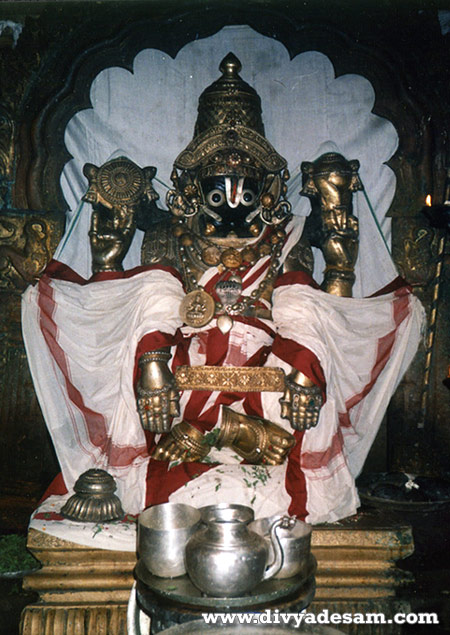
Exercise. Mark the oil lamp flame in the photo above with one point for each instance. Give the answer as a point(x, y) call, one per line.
point(428, 200)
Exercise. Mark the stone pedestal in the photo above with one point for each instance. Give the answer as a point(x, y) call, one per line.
point(357, 571)
point(85, 591)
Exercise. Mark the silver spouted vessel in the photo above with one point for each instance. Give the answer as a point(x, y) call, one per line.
point(225, 558)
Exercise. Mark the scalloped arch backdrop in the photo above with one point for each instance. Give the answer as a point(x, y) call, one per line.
point(149, 116)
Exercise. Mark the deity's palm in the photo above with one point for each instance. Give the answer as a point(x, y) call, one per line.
point(110, 240)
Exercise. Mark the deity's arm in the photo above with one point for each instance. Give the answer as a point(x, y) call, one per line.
point(157, 395)
point(330, 182)
point(304, 394)
point(120, 193)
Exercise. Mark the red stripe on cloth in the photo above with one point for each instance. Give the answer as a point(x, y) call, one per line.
point(295, 277)
point(316, 460)
point(155, 340)
point(162, 482)
point(48, 516)
point(57, 487)
point(253, 404)
point(95, 424)
point(400, 310)
point(396, 284)
point(255, 275)
point(216, 347)
point(295, 481)
point(301, 358)
point(60, 271)
point(119, 275)
point(210, 285)
point(256, 323)
point(344, 419)
point(181, 355)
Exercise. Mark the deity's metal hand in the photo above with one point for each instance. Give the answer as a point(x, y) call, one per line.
point(330, 182)
point(256, 440)
point(110, 236)
point(301, 401)
point(157, 395)
point(183, 443)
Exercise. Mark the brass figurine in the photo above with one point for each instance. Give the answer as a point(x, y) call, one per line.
point(228, 211)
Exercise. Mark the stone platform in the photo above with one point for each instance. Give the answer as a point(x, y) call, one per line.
point(85, 591)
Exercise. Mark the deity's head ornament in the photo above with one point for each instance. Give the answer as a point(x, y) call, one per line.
point(229, 132)
point(229, 144)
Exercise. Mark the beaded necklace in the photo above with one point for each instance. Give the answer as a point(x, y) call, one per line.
point(199, 307)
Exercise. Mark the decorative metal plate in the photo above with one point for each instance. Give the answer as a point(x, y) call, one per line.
point(230, 379)
point(120, 181)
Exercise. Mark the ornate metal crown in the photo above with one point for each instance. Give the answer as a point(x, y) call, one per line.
point(229, 133)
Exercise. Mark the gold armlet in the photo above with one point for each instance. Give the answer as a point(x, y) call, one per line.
point(300, 384)
point(296, 377)
point(159, 355)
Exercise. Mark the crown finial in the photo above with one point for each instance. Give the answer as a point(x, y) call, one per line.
point(230, 66)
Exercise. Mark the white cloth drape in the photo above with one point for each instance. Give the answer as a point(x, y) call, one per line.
point(81, 344)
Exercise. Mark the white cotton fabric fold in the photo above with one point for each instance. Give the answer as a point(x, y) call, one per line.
point(350, 337)
point(96, 330)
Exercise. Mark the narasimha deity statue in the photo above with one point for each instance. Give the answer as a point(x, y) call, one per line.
point(219, 370)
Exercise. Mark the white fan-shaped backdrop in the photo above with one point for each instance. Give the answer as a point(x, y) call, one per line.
point(149, 116)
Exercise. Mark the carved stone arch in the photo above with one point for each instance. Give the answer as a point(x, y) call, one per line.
point(42, 150)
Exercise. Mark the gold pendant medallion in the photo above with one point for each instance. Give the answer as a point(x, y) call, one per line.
point(197, 308)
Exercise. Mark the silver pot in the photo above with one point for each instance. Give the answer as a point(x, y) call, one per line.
point(295, 541)
point(225, 558)
point(163, 531)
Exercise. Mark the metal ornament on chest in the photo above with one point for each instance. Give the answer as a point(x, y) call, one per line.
point(228, 291)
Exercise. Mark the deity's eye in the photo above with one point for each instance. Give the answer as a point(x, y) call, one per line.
point(215, 198)
point(248, 197)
